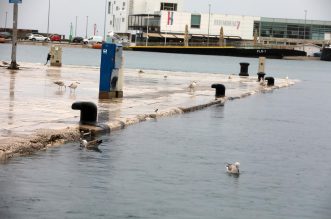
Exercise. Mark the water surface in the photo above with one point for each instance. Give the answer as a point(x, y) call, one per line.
point(174, 167)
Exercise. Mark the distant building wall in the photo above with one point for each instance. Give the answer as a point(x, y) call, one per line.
point(174, 22)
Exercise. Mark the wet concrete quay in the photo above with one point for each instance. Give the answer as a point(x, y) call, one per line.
point(35, 113)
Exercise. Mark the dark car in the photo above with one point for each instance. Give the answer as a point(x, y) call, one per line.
point(78, 40)
point(5, 35)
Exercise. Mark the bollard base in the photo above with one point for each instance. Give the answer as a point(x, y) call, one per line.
point(56, 64)
point(111, 95)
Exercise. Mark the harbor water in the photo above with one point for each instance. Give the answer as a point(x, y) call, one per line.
point(175, 167)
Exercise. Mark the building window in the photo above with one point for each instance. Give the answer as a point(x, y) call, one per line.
point(109, 7)
point(168, 6)
point(117, 8)
point(195, 20)
point(123, 19)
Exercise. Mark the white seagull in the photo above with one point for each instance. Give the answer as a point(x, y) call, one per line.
point(91, 145)
point(73, 85)
point(233, 168)
point(192, 85)
point(60, 84)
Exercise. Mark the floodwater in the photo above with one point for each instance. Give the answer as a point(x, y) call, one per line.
point(174, 167)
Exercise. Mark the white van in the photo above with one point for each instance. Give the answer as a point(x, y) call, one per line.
point(93, 39)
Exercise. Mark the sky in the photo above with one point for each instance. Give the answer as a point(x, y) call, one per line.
point(33, 14)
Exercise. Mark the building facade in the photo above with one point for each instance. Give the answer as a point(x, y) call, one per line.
point(119, 12)
point(141, 19)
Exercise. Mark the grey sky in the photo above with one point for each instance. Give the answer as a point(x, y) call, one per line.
point(33, 13)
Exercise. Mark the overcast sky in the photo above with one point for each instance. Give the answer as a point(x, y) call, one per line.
point(33, 13)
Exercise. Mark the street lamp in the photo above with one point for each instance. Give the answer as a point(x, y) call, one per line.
point(6, 20)
point(147, 28)
point(208, 24)
point(104, 22)
point(49, 10)
point(86, 26)
point(304, 32)
point(76, 27)
point(13, 64)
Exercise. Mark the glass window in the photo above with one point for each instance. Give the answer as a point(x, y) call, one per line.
point(109, 7)
point(195, 20)
point(168, 6)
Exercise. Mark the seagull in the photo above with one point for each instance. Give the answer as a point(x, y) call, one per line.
point(233, 168)
point(60, 84)
point(141, 71)
point(73, 85)
point(192, 85)
point(165, 77)
point(91, 145)
point(230, 77)
point(5, 63)
point(156, 110)
point(263, 82)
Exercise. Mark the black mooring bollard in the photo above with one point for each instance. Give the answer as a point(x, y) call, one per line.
point(244, 69)
point(271, 81)
point(260, 76)
point(220, 90)
point(88, 112)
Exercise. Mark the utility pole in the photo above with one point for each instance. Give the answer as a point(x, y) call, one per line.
point(49, 10)
point(147, 29)
point(304, 32)
point(104, 22)
point(6, 21)
point(208, 25)
point(86, 26)
point(13, 64)
point(76, 27)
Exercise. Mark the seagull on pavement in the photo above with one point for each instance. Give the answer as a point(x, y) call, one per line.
point(60, 84)
point(73, 86)
point(232, 168)
point(192, 85)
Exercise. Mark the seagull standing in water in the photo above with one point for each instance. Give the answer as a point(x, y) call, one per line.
point(232, 168)
point(73, 86)
point(60, 84)
point(192, 85)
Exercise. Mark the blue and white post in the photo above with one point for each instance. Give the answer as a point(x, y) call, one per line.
point(111, 72)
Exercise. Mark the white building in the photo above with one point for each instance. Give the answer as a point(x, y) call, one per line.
point(203, 24)
point(119, 11)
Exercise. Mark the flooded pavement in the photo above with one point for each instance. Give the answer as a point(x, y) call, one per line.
point(31, 103)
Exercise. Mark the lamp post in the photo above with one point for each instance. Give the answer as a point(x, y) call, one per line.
point(104, 22)
point(49, 10)
point(208, 24)
point(13, 64)
point(76, 27)
point(304, 32)
point(6, 21)
point(147, 29)
point(86, 26)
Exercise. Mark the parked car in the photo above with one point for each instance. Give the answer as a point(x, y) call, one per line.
point(78, 40)
point(55, 37)
point(38, 37)
point(27, 36)
point(5, 35)
point(93, 39)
